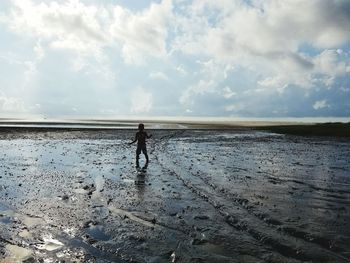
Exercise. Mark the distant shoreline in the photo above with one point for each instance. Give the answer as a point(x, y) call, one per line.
point(335, 129)
point(133, 120)
point(132, 124)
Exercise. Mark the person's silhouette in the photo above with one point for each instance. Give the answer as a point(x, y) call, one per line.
point(141, 137)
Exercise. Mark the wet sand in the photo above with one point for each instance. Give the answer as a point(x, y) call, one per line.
point(209, 196)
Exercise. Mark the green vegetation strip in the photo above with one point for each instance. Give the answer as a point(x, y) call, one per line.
point(321, 129)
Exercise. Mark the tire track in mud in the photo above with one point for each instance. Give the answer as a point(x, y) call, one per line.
point(143, 221)
point(288, 242)
point(277, 224)
point(308, 183)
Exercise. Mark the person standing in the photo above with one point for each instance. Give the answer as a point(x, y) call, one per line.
point(140, 138)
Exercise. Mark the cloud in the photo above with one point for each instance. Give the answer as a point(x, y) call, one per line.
point(27, 72)
point(228, 93)
point(267, 37)
point(143, 33)
point(181, 70)
point(321, 104)
point(39, 51)
point(282, 72)
point(202, 87)
point(88, 29)
point(231, 107)
point(332, 62)
point(68, 25)
point(269, 27)
point(345, 90)
point(158, 75)
point(211, 73)
point(141, 101)
point(11, 105)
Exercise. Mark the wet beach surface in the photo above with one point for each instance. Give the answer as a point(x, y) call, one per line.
point(208, 196)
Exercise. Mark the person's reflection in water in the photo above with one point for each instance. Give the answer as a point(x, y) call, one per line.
point(140, 191)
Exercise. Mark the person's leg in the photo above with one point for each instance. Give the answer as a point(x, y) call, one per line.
point(138, 151)
point(144, 150)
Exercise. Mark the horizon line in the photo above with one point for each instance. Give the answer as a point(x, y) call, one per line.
point(65, 118)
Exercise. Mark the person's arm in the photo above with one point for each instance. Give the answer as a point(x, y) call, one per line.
point(134, 139)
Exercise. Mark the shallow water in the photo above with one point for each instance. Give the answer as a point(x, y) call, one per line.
point(208, 196)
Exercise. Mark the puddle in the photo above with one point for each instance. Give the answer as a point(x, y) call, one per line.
point(7, 215)
point(16, 254)
point(97, 232)
point(25, 234)
point(50, 244)
point(5, 220)
point(30, 221)
point(80, 191)
point(3, 208)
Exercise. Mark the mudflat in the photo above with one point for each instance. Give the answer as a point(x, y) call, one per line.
point(237, 195)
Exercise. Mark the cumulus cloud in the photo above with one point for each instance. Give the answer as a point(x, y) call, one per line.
point(345, 90)
point(87, 29)
point(321, 104)
point(332, 62)
point(39, 51)
point(158, 75)
point(181, 70)
point(313, 72)
point(11, 105)
point(267, 37)
point(262, 27)
point(228, 93)
point(200, 88)
point(211, 74)
point(231, 107)
point(142, 33)
point(141, 101)
point(67, 25)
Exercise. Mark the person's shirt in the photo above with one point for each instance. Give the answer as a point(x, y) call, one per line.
point(141, 137)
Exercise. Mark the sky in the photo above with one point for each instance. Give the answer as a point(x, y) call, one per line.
point(222, 58)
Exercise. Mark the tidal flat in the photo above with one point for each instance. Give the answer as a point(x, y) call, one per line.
point(218, 195)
